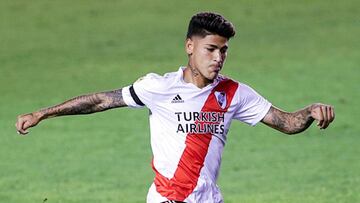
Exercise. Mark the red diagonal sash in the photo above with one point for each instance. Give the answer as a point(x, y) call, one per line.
point(182, 184)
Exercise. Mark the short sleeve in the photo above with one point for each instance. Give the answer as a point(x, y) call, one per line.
point(252, 107)
point(130, 97)
point(140, 93)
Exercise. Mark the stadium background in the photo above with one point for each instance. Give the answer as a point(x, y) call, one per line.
point(292, 52)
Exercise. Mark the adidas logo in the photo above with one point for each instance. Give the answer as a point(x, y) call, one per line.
point(177, 99)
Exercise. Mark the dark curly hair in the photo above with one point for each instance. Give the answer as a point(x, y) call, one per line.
point(207, 23)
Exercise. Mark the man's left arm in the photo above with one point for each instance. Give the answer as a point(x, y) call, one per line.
point(296, 122)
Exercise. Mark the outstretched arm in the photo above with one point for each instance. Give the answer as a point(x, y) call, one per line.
point(84, 104)
point(296, 122)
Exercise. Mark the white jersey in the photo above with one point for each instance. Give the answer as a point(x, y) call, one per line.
point(188, 131)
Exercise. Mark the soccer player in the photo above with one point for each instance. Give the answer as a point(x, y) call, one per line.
point(190, 114)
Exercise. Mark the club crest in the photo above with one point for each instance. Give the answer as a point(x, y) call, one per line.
point(221, 99)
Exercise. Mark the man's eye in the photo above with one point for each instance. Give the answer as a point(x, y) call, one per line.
point(210, 49)
point(223, 50)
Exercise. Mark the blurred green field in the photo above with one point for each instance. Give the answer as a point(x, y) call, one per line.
point(293, 52)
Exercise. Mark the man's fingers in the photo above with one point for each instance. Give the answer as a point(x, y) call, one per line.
point(20, 126)
point(330, 116)
point(22, 132)
point(17, 125)
point(323, 114)
point(320, 117)
point(26, 125)
point(332, 113)
point(326, 117)
point(325, 122)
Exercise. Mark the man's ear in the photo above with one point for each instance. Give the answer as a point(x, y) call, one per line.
point(189, 46)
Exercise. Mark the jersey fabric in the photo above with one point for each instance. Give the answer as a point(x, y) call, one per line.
point(188, 128)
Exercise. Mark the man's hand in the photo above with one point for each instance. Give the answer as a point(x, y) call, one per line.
point(24, 122)
point(296, 122)
point(323, 114)
point(84, 104)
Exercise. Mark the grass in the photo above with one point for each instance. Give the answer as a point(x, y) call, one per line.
point(292, 52)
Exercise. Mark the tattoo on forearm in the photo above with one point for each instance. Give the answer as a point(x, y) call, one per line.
point(86, 104)
point(113, 99)
point(290, 123)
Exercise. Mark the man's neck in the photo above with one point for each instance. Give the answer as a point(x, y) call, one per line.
point(192, 75)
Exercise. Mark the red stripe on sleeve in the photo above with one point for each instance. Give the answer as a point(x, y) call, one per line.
point(192, 160)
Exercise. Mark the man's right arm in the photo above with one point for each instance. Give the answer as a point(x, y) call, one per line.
point(84, 104)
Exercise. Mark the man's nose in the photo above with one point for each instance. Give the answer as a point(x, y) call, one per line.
point(217, 56)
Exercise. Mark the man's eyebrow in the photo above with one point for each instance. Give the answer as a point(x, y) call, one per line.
point(216, 47)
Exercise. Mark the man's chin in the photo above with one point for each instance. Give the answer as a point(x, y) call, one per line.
point(213, 76)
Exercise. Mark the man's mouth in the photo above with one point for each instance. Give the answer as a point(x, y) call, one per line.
point(216, 68)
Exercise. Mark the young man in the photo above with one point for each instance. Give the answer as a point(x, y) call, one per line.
point(191, 111)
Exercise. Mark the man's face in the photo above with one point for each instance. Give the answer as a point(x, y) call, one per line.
point(207, 55)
